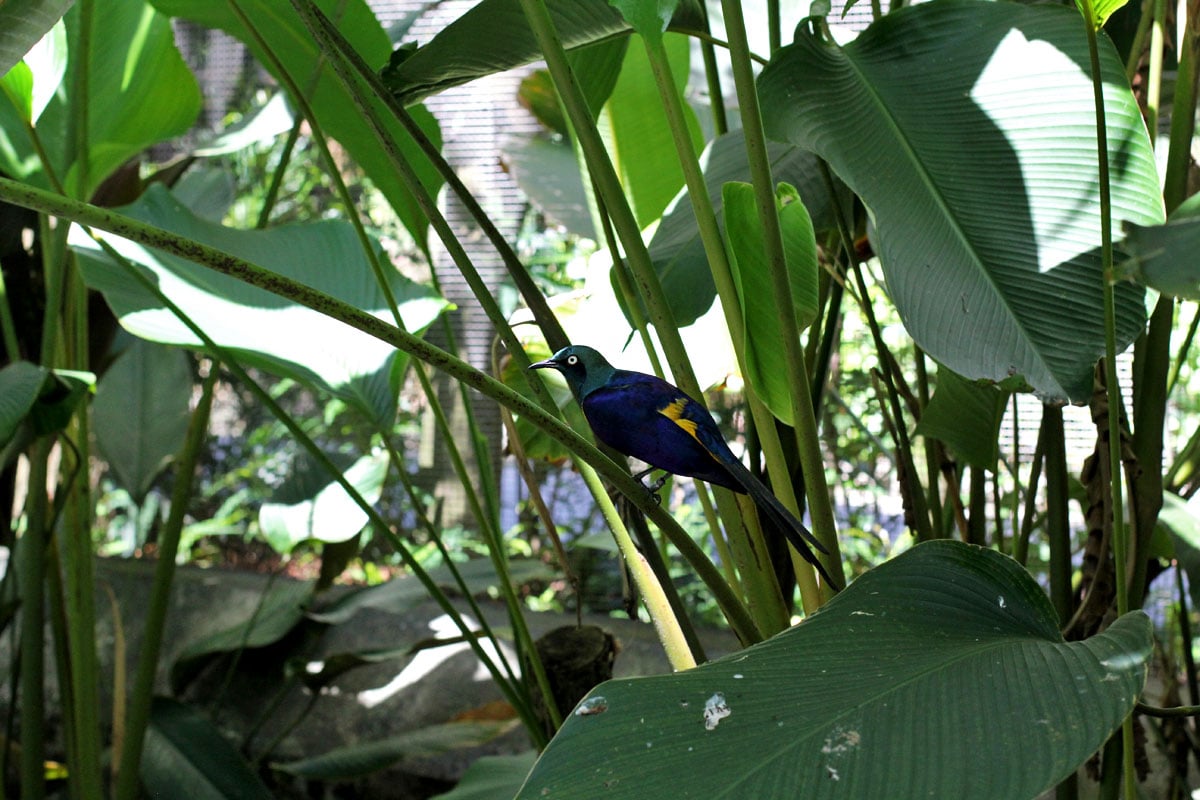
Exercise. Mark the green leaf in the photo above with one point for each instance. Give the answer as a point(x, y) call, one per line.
point(279, 612)
point(287, 37)
point(400, 595)
point(23, 23)
point(311, 505)
point(638, 136)
point(32, 83)
point(676, 248)
point(140, 93)
point(973, 146)
point(493, 36)
point(140, 414)
point(268, 331)
point(492, 777)
point(966, 415)
point(21, 384)
point(357, 760)
point(1182, 522)
point(1100, 10)
point(756, 291)
point(35, 401)
point(272, 120)
point(547, 172)
point(186, 756)
point(1163, 256)
point(649, 18)
point(597, 67)
point(941, 671)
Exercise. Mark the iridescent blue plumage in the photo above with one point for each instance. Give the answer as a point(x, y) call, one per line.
point(647, 418)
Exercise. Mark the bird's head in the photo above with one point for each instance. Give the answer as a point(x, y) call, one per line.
point(584, 369)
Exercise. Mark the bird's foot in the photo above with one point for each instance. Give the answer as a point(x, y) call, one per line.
point(654, 487)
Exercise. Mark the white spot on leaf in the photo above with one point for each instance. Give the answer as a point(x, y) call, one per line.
point(593, 705)
point(715, 710)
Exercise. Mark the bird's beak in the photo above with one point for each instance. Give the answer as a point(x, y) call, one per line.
point(548, 363)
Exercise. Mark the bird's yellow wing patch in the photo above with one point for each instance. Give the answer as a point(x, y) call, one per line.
point(674, 412)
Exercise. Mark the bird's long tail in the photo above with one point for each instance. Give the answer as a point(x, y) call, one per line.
point(776, 517)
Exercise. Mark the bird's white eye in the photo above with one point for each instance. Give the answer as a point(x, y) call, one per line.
point(572, 360)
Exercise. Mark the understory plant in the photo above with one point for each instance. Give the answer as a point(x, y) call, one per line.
point(984, 172)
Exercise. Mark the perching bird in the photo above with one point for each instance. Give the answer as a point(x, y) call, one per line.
point(645, 417)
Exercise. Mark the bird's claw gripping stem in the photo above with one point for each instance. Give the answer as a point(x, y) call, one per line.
point(654, 487)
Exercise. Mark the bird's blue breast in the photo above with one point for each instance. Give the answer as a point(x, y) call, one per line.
point(651, 420)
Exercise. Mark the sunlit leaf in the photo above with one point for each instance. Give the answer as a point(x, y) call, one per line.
point(311, 505)
point(974, 148)
point(266, 330)
point(756, 290)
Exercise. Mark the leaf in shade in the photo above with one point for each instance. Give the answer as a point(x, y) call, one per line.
point(141, 411)
point(1163, 257)
point(492, 777)
point(23, 23)
point(494, 36)
point(973, 146)
point(947, 649)
point(548, 173)
point(186, 756)
point(280, 611)
point(357, 760)
point(966, 415)
point(35, 401)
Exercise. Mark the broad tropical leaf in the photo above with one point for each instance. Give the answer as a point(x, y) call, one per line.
point(273, 618)
point(492, 777)
point(22, 23)
point(948, 654)
point(139, 93)
point(140, 414)
point(1164, 256)
point(356, 760)
point(756, 292)
point(311, 505)
point(676, 248)
point(494, 36)
point(284, 33)
point(966, 416)
point(36, 401)
point(974, 147)
point(186, 756)
point(267, 330)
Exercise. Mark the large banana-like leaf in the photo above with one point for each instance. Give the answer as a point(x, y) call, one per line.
point(267, 331)
point(285, 35)
point(139, 92)
point(141, 411)
point(968, 129)
point(676, 248)
point(22, 23)
point(940, 673)
point(494, 36)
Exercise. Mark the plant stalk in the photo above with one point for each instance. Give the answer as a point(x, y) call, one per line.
point(126, 777)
